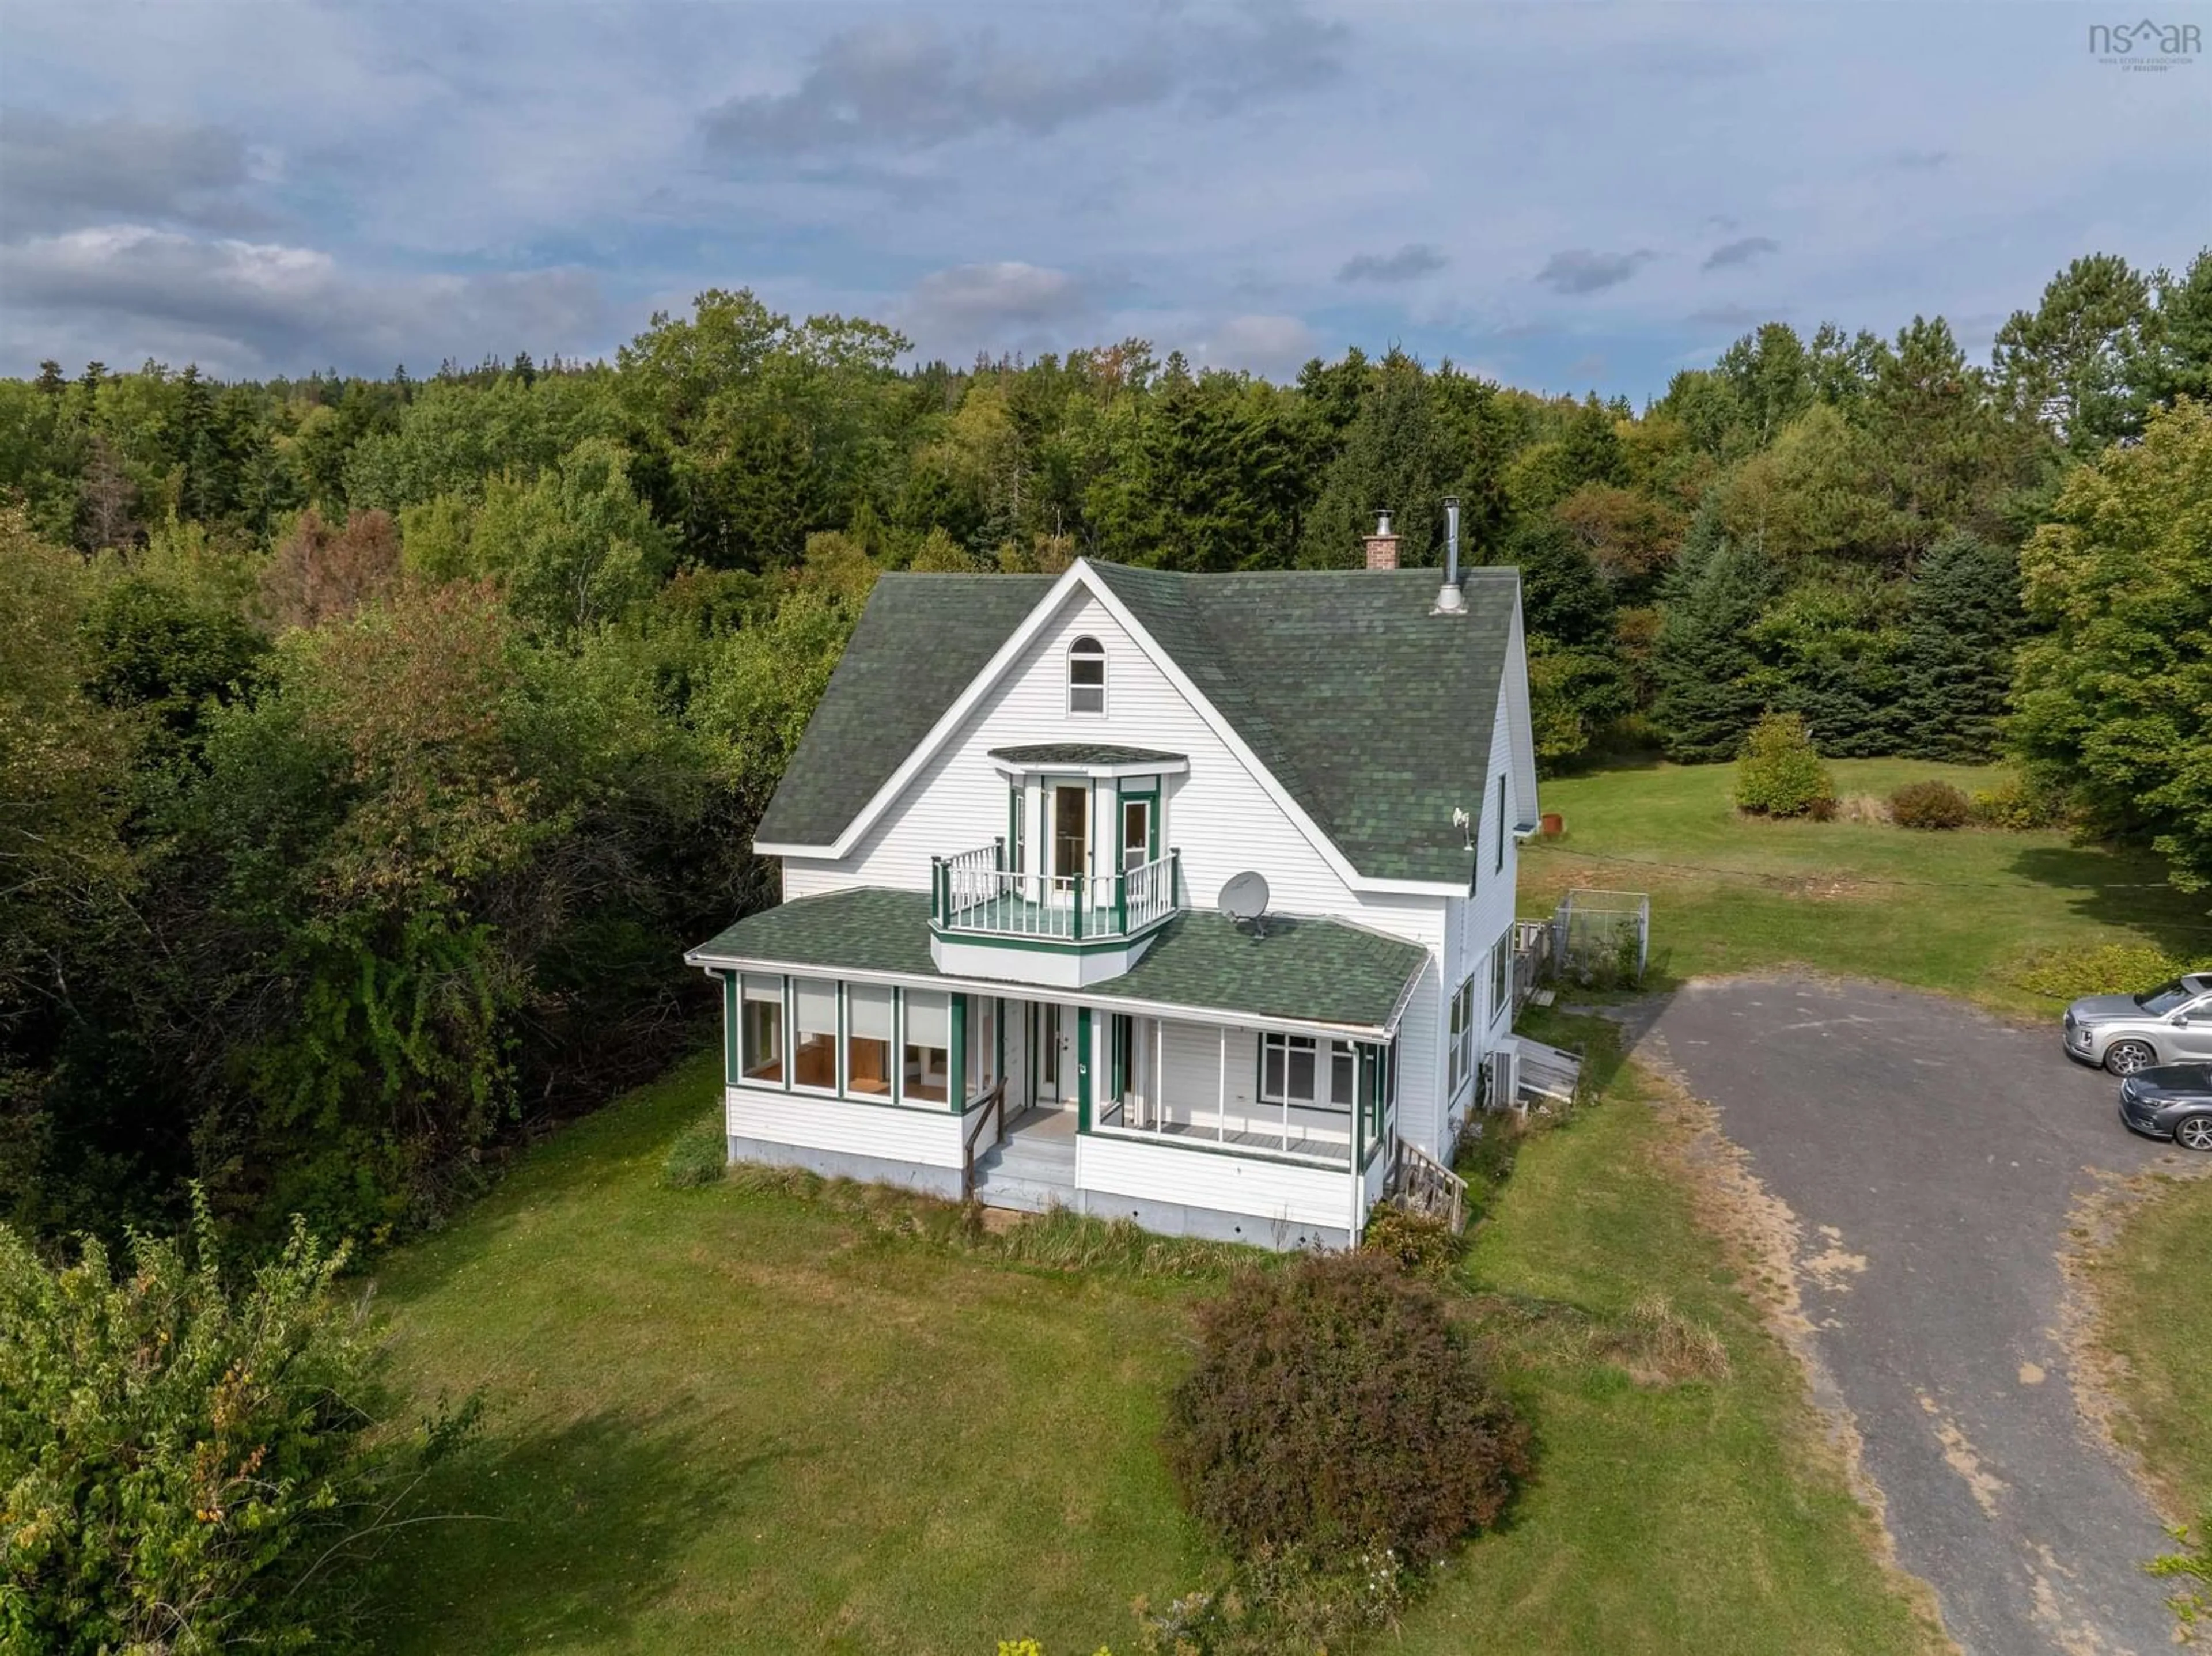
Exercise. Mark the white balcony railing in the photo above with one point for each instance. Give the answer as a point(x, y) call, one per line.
point(970, 892)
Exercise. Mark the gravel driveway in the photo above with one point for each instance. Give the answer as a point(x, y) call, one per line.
point(1932, 1155)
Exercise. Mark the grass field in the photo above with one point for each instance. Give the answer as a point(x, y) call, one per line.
point(1956, 911)
point(2154, 1313)
point(725, 1420)
point(728, 1419)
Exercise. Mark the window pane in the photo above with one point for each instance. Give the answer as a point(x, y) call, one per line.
point(814, 1059)
point(868, 1041)
point(926, 1076)
point(1087, 670)
point(1301, 1083)
point(1271, 1081)
point(1341, 1070)
point(761, 1026)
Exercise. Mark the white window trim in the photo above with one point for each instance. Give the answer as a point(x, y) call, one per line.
point(1325, 1054)
point(1459, 1047)
point(1105, 687)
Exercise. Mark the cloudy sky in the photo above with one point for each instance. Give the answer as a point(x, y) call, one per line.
point(1565, 196)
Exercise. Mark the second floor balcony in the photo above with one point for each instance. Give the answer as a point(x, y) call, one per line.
point(1071, 928)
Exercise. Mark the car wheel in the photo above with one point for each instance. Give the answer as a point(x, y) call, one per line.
point(2125, 1058)
point(2194, 1132)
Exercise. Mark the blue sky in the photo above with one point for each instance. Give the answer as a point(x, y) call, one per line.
point(1566, 196)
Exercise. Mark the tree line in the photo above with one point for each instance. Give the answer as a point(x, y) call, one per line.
point(370, 748)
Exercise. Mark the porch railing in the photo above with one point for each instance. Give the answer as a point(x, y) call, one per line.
point(974, 891)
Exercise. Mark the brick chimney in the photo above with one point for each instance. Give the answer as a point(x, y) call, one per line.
point(1382, 544)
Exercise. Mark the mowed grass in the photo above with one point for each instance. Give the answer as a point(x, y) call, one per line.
point(725, 1420)
point(2155, 1313)
point(1957, 912)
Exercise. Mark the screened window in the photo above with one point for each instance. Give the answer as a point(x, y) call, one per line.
point(1086, 677)
point(814, 1054)
point(928, 1046)
point(1017, 830)
point(982, 1045)
point(1501, 972)
point(868, 1041)
point(760, 1024)
point(1461, 1063)
point(1295, 1069)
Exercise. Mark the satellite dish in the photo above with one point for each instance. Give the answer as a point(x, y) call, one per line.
point(1245, 898)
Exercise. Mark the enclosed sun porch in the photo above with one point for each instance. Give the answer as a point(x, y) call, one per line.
point(1231, 1082)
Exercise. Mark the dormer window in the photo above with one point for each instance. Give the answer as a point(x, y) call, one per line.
point(1086, 677)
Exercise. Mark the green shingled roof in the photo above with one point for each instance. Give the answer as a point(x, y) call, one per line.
point(920, 642)
point(1083, 753)
point(1304, 970)
point(1372, 713)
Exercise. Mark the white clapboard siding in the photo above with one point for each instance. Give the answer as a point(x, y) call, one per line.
point(1272, 1193)
point(929, 1138)
point(1219, 815)
point(1420, 1063)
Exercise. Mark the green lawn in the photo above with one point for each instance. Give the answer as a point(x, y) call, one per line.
point(1956, 912)
point(729, 1421)
point(733, 1419)
point(2154, 1312)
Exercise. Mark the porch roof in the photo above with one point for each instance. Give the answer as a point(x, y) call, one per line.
point(1303, 971)
point(1085, 753)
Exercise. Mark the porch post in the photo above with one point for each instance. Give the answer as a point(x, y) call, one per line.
point(1082, 1069)
point(956, 1058)
point(730, 1068)
point(1221, 1086)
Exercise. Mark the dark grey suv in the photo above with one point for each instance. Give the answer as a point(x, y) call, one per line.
point(2171, 1101)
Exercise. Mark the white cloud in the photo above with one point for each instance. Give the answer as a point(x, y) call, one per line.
point(123, 292)
point(1276, 347)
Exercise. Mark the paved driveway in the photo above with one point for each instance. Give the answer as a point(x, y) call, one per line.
point(1932, 1155)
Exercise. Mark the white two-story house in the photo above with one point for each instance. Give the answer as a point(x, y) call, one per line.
point(1002, 967)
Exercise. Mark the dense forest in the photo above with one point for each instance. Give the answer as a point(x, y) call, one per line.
point(370, 748)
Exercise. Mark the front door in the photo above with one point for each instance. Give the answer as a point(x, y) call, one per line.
point(1071, 839)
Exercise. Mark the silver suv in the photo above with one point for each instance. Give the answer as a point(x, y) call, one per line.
point(2170, 1024)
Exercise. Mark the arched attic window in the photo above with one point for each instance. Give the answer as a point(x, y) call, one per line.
point(1086, 677)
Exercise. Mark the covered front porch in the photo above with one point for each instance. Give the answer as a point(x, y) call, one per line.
point(1231, 1083)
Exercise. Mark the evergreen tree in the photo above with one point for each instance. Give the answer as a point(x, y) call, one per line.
point(1708, 693)
point(1389, 461)
point(1958, 659)
point(1562, 596)
point(2174, 357)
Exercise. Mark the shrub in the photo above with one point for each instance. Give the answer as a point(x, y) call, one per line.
point(2019, 806)
point(1781, 773)
point(1929, 805)
point(699, 1155)
point(185, 1466)
point(1422, 1244)
point(2113, 968)
point(1335, 1409)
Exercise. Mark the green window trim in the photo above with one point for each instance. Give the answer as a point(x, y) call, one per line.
point(1501, 821)
point(1082, 1069)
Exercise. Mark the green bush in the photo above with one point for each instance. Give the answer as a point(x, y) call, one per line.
point(1934, 805)
point(1425, 1246)
point(1335, 1409)
point(699, 1154)
point(1781, 773)
point(2019, 806)
point(186, 1466)
point(2113, 968)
